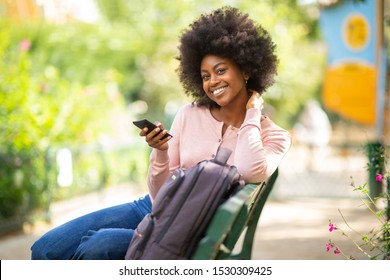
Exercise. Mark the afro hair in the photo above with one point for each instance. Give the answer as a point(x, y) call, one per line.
point(228, 33)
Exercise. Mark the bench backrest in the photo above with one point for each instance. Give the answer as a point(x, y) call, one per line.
point(238, 215)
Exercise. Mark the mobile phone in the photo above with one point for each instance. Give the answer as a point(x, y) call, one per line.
point(145, 123)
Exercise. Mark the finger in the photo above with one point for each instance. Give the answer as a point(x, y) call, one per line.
point(150, 135)
point(159, 137)
point(156, 137)
point(158, 124)
point(163, 141)
point(159, 143)
point(143, 132)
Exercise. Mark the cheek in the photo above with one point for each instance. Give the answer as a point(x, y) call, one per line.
point(205, 87)
point(206, 92)
point(240, 83)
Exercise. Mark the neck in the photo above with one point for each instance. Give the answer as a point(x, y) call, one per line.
point(232, 114)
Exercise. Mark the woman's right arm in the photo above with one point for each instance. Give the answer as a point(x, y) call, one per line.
point(164, 162)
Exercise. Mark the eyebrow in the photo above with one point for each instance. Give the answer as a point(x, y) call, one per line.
point(214, 67)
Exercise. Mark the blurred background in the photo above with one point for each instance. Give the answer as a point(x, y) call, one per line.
point(75, 74)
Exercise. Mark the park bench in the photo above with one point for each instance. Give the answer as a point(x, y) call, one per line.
point(234, 224)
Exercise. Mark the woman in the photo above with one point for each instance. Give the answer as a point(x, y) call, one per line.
point(226, 63)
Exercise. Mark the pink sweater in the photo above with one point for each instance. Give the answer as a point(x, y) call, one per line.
point(257, 148)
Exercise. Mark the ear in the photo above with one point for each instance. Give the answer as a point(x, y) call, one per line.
point(246, 76)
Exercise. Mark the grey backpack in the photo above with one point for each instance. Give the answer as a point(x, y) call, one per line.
point(183, 209)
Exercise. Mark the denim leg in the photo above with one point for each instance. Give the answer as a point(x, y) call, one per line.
point(104, 244)
point(99, 235)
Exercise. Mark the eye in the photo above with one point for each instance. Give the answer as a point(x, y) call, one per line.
point(221, 71)
point(205, 77)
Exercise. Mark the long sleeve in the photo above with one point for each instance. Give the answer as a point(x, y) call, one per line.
point(260, 147)
point(163, 163)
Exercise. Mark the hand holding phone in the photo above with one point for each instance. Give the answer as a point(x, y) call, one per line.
point(150, 126)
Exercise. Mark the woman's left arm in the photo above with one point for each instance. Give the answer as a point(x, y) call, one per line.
point(261, 146)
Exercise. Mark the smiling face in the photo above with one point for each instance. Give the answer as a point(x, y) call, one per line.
point(223, 80)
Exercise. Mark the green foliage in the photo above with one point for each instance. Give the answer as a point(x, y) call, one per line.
point(375, 153)
point(375, 244)
point(21, 164)
point(41, 109)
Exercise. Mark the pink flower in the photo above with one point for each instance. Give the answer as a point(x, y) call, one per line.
point(379, 177)
point(332, 227)
point(336, 251)
point(328, 246)
point(24, 45)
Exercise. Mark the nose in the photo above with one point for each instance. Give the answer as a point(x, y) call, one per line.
point(214, 80)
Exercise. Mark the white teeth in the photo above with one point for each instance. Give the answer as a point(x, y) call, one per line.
point(217, 91)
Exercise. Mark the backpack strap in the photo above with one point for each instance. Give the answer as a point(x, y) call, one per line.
point(223, 155)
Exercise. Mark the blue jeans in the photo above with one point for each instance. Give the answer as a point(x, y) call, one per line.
point(100, 235)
